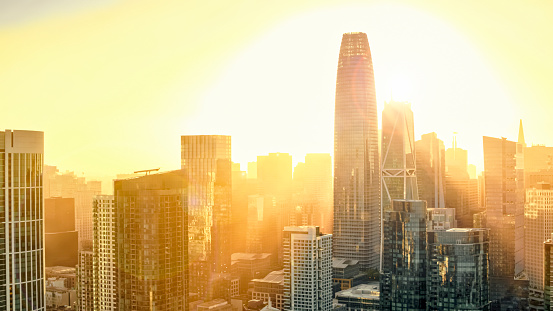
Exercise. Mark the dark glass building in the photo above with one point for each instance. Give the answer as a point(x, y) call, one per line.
point(151, 222)
point(458, 268)
point(403, 277)
point(356, 232)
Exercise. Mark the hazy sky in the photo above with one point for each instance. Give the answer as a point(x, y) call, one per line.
point(114, 84)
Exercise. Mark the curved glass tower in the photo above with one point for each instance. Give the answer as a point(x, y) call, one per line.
point(356, 231)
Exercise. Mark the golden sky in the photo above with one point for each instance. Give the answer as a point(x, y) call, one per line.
point(115, 83)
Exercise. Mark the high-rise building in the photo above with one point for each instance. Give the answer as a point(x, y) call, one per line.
point(501, 209)
point(263, 225)
point(85, 279)
point(206, 160)
point(456, 161)
point(457, 276)
point(313, 188)
point(151, 231)
point(69, 185)
point(404, 265)
point(548, 274)
point(538, 216)
point(430, 154)
point(519, 210)
point(61, 238)
point(307, 269)
point(399, 180)
point(103, 248)
point(21, 218)
point(356, 231)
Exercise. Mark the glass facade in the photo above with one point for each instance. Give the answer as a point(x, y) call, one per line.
point(151, 224)
point(458, 267)
point(22, 221)
point(206, 159)
point(356, 231)
point(403, 277)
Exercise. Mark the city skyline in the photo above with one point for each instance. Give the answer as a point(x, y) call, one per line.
point(445, 59)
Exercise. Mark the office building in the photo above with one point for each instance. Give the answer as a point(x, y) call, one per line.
point(21, 219)
point(548, 274)
point(356, 231)
point(263, 226)
point(458, 266)
point(307, 269)
point(501, 210)
point(85, 279)
point(404, 264)
point(207, 162)
point(249, 266)
point(399, 181)
point(440, 219)
point(61, 238)
point(347, 273)
point(269, 288)
point(151, 232)
point(104, 242)
point(430, 158)
point(538, 223)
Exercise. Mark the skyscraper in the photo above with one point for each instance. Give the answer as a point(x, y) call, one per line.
point(403, 277)
point(105, 273)
point(152, 242)
point(501, 206)
point(399, 180)
point(430, 153)
point(307, 269)
point(356, 231)
point(21, 219)
point(207, 162)
point(538, 214)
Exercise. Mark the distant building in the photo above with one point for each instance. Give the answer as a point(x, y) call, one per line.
point(68, 274)
point(430, 155)
point(364, 297)
point(215, 305)
point(548, 273)
point(403, 278)
point(22, 264)
point(503, 211)
point(249, 266)
point(264, 221)
point(61, 238)
point(307, 269)
point(440, 219)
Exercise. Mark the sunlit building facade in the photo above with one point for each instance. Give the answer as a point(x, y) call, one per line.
point(152, 242)
point(356, 231)
point(206, 159)
point(501, 210)
point(430, 161)
point(22, 278)
point(307, 269)
point(103, 247)
point(538, 223)
point(404, 265)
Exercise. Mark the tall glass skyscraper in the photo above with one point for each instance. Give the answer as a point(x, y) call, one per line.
point(206, 160)
point(21, 221)
point(356, 233)
point(151, 242)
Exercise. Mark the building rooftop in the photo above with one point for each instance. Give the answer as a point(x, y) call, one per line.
point(213, 303)
point(248, 256)
point(276, 277)
point(365, 291)
point(61, 270)
point(342, 263)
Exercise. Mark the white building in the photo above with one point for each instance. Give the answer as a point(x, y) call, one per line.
point(538, 223)
point(21, 216)
point(105, 277)
point(307, 269)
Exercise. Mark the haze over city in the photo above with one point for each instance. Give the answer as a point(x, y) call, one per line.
point(114, 83)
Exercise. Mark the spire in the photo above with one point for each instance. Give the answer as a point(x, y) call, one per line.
point(521, 134)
